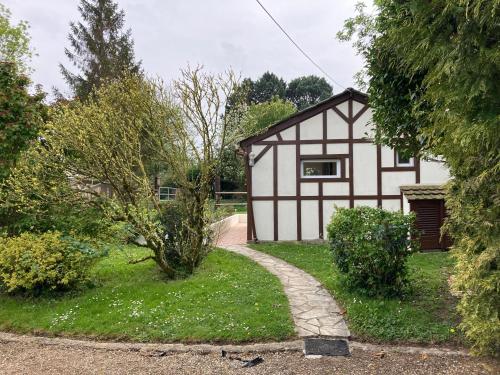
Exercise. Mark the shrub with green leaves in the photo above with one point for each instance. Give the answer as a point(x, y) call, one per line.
point(370, 247)
point(49, 261)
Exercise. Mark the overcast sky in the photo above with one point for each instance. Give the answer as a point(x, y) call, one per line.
point(216, 33)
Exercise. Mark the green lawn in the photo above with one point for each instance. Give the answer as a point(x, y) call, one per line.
point(426, 315)
point(228, 299)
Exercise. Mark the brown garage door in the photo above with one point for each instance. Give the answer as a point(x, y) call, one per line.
point(430, 216)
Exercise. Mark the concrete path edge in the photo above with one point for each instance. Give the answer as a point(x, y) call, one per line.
point(286, 346)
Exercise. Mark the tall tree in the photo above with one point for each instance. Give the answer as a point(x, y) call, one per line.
point(14, 41)
point(21, 115)
point(101, 50)
point(266, 87)
point(433, 72)
point(308, 90)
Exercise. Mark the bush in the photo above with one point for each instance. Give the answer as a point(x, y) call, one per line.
point(48, 261)
point(185, 248)
point(370, 247)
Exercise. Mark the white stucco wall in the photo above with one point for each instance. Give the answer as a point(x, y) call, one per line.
point(387, 156)
point(314, 149)
point(310, 220)
point(288, 134)
point(391, 204)
point(433, 172)
point(309, 189)
point(286, 170)
point(336, 188)
point(362, 127)
point(312, 128)
point(262, 175)
point(336, 127)
point(264, 224)
point(365, 169)
point(287, 220)
point(391, 181)
point(337, 148)
point(344, 108)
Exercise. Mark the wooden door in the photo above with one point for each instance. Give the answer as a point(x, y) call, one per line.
point(430, 216)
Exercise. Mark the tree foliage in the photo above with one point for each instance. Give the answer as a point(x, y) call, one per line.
point(268, 86)
point(251, 120)
point(100, 49)
point(433, 72)
point(307, 91)
point(21, 115)
point(14, 41)
point(114, 138)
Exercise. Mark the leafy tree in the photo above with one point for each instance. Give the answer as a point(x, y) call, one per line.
point(14, 40)
point(266, 87)
point(21, 115)
point(251, 120)
point(433, 72)
point(307, 91)
point(109, 138)
point(101, 51)
point(258, 117)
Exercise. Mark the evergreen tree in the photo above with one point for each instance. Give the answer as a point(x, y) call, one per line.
point(101, 50)
point(267, 87)
point(307, 91)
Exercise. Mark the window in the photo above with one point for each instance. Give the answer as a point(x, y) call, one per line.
point(403, 161)
point(320, 168)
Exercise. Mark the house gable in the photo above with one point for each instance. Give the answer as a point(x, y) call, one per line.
point(302, 168)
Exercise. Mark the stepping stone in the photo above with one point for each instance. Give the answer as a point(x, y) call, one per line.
point(326, 346)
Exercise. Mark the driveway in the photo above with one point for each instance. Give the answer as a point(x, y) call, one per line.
point(33, 358)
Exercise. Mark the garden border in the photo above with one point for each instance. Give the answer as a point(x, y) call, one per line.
point(270, 347)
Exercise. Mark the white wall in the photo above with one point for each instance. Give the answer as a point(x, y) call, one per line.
point(262, 174)
point(391, 181)
point(312, 128)
point(433, 172)
point(310, 220)
point(336, 127)
point(287, 220)
point(365, 169)
point(286, 170)
point(263, 217)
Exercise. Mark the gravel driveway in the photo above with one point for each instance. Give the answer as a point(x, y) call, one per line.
point(32, 358)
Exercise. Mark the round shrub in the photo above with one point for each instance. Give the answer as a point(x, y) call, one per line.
point(49, 261)
point(370, 247)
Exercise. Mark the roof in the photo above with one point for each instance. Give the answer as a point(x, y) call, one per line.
point(420, 191)
point(294, 119)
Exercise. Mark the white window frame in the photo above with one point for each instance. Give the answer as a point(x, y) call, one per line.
point(336, 161)
point(409, 164)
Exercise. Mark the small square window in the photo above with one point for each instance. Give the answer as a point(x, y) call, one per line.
point(403, 161)
point(320, 168)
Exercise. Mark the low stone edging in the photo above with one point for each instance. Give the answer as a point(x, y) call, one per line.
point(271, 347)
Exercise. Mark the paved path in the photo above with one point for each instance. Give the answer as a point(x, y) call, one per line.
point(314, 311)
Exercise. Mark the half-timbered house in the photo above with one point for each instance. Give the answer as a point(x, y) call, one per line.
point(302, 168)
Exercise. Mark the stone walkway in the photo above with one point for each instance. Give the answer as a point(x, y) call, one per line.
point(314, 311)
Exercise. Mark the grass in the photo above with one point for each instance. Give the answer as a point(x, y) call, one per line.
point(425, 315)
point(228, 299)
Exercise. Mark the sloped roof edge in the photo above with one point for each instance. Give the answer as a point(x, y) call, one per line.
point(423, 191)
point(307, 113)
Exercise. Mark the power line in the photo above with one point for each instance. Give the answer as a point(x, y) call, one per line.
point(298, 47)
